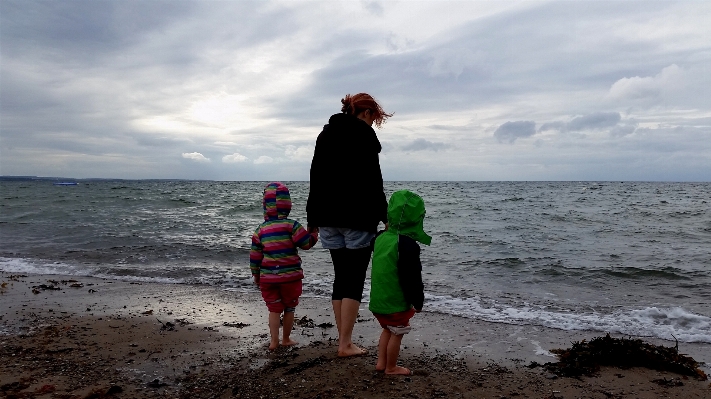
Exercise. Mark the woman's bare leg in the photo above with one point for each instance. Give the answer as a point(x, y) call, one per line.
point(346, 312)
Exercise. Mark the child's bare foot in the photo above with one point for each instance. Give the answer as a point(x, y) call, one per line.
point(273, 345)
point(351, 350)
point(397, 370)
point(288, 342)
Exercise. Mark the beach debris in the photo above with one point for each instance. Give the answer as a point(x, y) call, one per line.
point(672, 382)
point(325, 325)
point(156, 384)
point(167, 326)
point(585, 358)
point(235, 325)
point(114, 389)
point(147, 312)
point(305, 322)
point(533, 365)
point(306, 365)
point(45, 287)
point(23, 383)
point(182, 322)
point(76, 285)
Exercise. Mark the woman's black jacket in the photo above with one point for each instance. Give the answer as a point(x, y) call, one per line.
point(346, 184)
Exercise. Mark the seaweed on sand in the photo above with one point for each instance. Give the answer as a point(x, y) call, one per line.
point(585, 358)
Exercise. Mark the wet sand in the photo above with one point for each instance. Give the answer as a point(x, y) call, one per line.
point(96, 338)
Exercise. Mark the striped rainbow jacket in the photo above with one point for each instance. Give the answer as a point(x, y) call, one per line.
point(274, 257)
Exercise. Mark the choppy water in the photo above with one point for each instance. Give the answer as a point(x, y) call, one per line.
point(633, 258)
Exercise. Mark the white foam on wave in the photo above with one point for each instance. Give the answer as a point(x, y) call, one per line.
point(21, 266)
point(24, 266)
point(664, 323)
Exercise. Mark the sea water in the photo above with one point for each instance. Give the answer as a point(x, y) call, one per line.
point(622, 257)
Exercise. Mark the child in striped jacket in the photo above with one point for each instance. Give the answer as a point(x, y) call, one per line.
point(275, 262)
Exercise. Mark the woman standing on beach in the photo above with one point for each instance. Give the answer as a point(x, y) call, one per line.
point(347, 202)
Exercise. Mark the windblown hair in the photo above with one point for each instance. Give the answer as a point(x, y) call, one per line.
point(357, 103)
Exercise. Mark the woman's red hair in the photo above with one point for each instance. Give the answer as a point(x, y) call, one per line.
point(357, 103)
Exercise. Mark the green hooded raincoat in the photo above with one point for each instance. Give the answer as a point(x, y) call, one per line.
point(406, 213)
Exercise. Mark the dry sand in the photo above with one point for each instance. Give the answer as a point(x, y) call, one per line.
point(97, 338)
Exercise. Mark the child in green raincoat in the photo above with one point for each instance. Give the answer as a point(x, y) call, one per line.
point(397, 291)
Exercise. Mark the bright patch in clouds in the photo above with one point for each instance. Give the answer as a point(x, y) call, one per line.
point(263, 159)
point(234, 158)
point(195, 156)
point(670, 78)
point(299, 153)
point(218, 110)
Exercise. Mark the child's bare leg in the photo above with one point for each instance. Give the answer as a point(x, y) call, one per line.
point(383, 350)
point(288, 325)
point(393, 351)
point(274, 330)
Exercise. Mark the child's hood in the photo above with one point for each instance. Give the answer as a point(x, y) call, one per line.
point(406, 213)
point(276, 202)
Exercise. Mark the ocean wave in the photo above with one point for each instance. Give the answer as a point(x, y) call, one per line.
point(663, 323)
point(668, 273)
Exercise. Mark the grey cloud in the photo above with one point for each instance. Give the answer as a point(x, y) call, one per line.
point(552, 126)
point(374, 7)
point(162, 141)
point(452, 128)
point(83, 30)
point(493, 60)
point(597, 120)
point(424, 145)
point(623, 129)
point(510, 131)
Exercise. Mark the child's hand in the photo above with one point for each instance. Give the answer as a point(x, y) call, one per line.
point(256, 280)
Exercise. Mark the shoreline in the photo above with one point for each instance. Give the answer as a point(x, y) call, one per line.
point(146, 335)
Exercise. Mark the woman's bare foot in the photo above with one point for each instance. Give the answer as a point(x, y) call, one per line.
point(379, 367)
point(351, 350)
point(397, 370)
point(273, 345)
point(289, 342)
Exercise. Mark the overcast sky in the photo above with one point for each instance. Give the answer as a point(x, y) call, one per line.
point(238, 90)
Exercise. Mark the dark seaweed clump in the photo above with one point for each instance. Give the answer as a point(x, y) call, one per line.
point(585, 358)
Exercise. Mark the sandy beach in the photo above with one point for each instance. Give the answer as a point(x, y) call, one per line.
point(95, 338)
